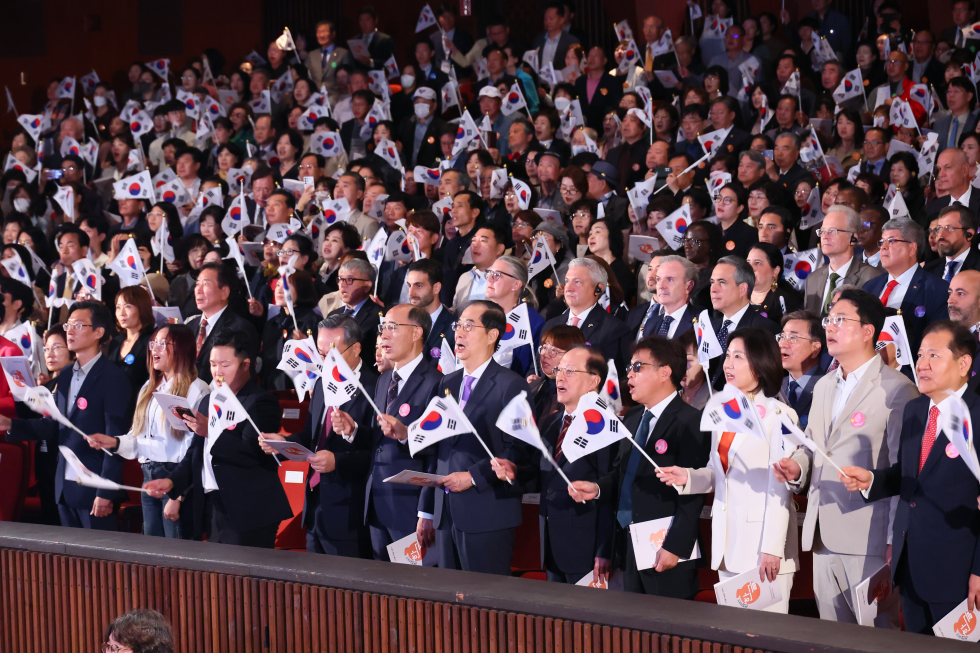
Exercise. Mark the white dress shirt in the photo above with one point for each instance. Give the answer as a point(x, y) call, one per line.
point(963, 199)
point(677, 315)
point(898, 292)
point(845, 387)
point(581, 316)
point(476, 374)
point(957, 262)
point(735, 319)
point(478, 287)
point(842, 272)
point(211, 322)
point(406, 371)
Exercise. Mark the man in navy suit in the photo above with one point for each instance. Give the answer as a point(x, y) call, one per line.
point(446, 15)
point(333, 512)
point(674, 278)
point(392, 510)
point(424, 280)
point(356, 280)
point(723, 111)
point(953, 178)
point(475, 514)
point(424, 227)
point(554, 43)
point(380, 46)
point(935, 557)
point(801, 344)
point(957, 227)
point(584, 284)
point(907, 287)
point(732, 281)
point(93, 396)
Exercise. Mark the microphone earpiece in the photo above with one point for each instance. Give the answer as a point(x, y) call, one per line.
point(854, 239)
point(598, 289)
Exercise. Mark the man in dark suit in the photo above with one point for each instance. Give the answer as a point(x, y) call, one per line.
point(380, 46)
point(924, 68)
point(722, 113)
point(446, 15)
point(475, 514)
point(957, 227)
point(604, 97)
point(937, 509)
point(424, 281)
point(72, 244)
point(585, 282)
point(238, 498)
point(391, 510)
point(920, 296)
point(419, 136)
point(963, 305)
point(212, 291)
point(801, 343)
point(875, 160)
point(953, 178)
point(786, 155)
point(630, 157)
point(333, 512)
point(673, 279)
point(732, 281)
point(552, 46)
point(961, 101)
point(603, 181)
point(669, 431)
point(94, 395)
point(356, 280)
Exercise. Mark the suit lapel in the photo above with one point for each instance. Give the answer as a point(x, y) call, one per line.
point(864, 387)
point(593, 321)
point(90, 379)
point(913, 294)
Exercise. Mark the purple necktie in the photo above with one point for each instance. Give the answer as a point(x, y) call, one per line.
point(467, 388)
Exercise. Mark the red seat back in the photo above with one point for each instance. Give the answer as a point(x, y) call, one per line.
point(11, 481)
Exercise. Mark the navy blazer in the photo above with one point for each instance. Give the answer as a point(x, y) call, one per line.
point(926, 294)
point(247, 477)
point(492, 504)
point(368, 317)
point(397, 504)
point(228, 320)
point(392, 275)
point(101, 407)
point(336, 506)
point(752, 318)
point(935, 206)
point(652, 327)
point(805, 399)
point(442, 327)
point(937, 522)
point(603, 331)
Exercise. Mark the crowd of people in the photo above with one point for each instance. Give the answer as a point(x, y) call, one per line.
point(795, 187)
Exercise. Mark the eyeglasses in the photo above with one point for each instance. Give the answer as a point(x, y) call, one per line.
point(890, 242)
point(520, 224)
point(494, 275)
point(792, 338)
point(832, 232)
point(53, 349)
point(724, 199)
point(348, 281)
point(75, 326)
point(837, 320)
point(694, 241)
point(637, 366)
point(757, 196)
point(466, 326)
point(287, 252)
point(391, 326)
point(157, 345)
point(545, 350)
point(567, 371)
point(935, 231)
point(802, 192)
point(875, 143)
point(567, 190)
point(582, 214)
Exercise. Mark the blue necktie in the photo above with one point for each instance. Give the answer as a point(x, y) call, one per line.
point(665, 326)
point(625, 512)
point(794, 393)
point(951, 141)
point(950, 267)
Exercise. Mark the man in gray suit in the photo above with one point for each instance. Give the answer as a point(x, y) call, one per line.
point(838, 235)
point(856, 419)
point(325, 60)
point(554, 43)
point(962, 117)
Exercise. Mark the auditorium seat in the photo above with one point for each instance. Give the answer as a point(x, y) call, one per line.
point(292, 475)
point(12, 481)
point(527, 542)
point(131, 510)
point(293, 415)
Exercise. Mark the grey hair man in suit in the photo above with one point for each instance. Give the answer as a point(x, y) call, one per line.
point(838, 235)
point(325, 60)
point(857, 420)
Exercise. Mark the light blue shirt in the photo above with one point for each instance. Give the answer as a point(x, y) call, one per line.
point(79, 372)
point(478, 289)
point(549, 49)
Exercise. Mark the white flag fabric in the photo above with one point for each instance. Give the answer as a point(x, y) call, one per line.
point(236, 254)
point(137, 187)
point(376, 114)
point(712, 140)
point(765, 113)
point(972, 31)
point(531, 58)
point(375, 250)
point(901, 114)
point(391, 67)
point(812, 213)
point(548, 74)
point(33, 124)
point(336, 211)
point(465, 133)
point(285, 41)
point(447, 358)
point(798, 266)
point(17, 369)
point(337, 380)
point(448, 94)
point(897, 207)
point(792, 85)
point(13, 162)
point(442, 418)
point(645, 115)
point(593, 427)
point(793, 433)
point(66, 89)
point(708, 345)
point(326, 144)
point(174, 192)
point(663, 46)
point(480, 68)
point(224, 411)
point(718, 180)
point(88, 83)
point(301, 361)
point(610, 389)
point(128, 265)
point(397, 247)
point(161, 67)
point(517, 331)
point(517, 419)
point(389, 153)
point(165, 175)
point(426, 19)
point(715, 28)
point(89, 276)
point(523, 192)
point(927, 158)
point(39, 400)
point(280, 87)
point(623, 31)
point(70, 146)
point(76, 471)
point(443, 208)
point(730, 410)
point(65, 197)
point(514, 100)
point(849, 87)
point(16, 269)
point(431, 176)
point(24, 336)
point(541, 258)
point(639, 195)
point(262, 104)
point(958, 428)
point(694, 10)
point(672, 227)
point(234, 220)
point(631, 57)
point(893, 333)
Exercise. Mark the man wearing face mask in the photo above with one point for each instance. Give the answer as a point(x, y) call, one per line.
point(419, 134)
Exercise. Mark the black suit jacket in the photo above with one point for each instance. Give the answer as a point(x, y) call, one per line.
point(368, 317)
point(652, 327)
point(752, 318)
point(429, 152)
point(805, 398)
point(565, 40)
point(937, 510)
point(606, 97)
point(441, 327)
point(630, 162)
point(678, 427)
point(247, 477)
point(937, 267)
point(736, 141)
point(926, 295)
point(336, 506)
point(601, 330)
point(228, 320)
point(795, 173)
point(381, 48)
point(274, 336)
point(392, 276)
point(491, 504)
point(347, 132)
point(935, 206)
point(397, 504)
point(463, 42)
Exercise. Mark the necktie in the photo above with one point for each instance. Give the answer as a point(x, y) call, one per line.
point(723, 446)
point(467, 388)
point(648, 64)
point(202, 333)
point(830, 292)
point(930, 436)
point(950, 269)
point(575, 321)
point(393, 391)
point(624, 515)
point(888, 292)
point(323, 60)
point(561, 436)
point(665, 326)
point(315, 476)
point(956, 203)
point(723, 335)
point(794, 393)
point(951, 141)
point(348, 310)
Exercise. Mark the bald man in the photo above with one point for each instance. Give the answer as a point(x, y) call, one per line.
point(953, 184)
point(964, 307)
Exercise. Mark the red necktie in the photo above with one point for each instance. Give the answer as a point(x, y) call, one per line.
point(561, 436)
point(930, 437)
point(202, 333)
point(888, 292)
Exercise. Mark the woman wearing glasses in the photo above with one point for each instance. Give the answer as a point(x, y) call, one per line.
point(554, 343)
point(582, 214)
point(753, 520)
point(135, 321)
point(524, 225)
point(731, 208)
point(774, 296)
point(507, 286)
point(158, 446)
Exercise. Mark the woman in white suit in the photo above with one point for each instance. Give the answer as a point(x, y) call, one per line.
point(753, 519)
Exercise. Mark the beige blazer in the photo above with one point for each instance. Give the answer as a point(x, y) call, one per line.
point(866, 434)
point(366, 226)
point(325, 76)
point(858, 274)
point(752, 513)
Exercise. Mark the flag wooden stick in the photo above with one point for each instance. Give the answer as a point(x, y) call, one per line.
point(707, 377)
point(645, 454)
point(547, 456)
point(259, 431)
point(473, 429)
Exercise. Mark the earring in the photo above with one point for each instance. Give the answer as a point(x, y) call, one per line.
point(774, 285)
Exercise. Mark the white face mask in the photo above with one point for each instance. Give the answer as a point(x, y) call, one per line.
point(99, 100)
point(407, 81)
point(422, 110)
point(944, 57)
point(578, 149)
point(562, 103)
point(21, 205)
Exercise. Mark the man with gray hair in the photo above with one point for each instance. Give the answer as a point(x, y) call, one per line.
point(751, 167)
point(838, 235)
point(356, 282)
point(732, 281)
point(674, 281)
point(333, 512)
point(786, 155)
point(585, 283)
point(920, 296)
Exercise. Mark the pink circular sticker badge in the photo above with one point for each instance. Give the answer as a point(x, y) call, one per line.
point(404, 410)
point(857, 419)
point(661, 446)
point(82, 403)
point(951, 451)
point(762, 411)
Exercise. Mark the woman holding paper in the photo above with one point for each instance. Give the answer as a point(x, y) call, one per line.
point(153, 438)
point(753, 519)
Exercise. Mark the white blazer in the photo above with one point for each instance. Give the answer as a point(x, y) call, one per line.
point(752, 513)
